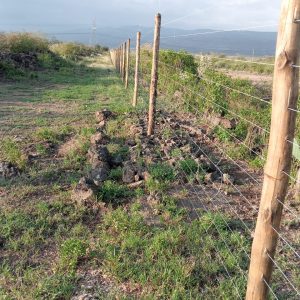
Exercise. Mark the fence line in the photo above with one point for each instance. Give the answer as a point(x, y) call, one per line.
point(259, 279)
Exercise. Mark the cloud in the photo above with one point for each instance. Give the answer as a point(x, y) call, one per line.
point(216, 14)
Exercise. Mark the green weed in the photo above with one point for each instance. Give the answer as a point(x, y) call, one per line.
point(71, 251)
point(114, 193)
point(11, 152)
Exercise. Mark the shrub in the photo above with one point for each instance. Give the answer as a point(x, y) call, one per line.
point(188, 166)
point(112, 192)
point(75, 51)
point(181, 60)
point(162, 172)
point(23, 43)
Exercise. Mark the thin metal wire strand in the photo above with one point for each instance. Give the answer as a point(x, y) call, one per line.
point(222, 85)
point(287, 243)
point(235, 162)
point(224, 199)
point(219, 31)
point(228, 248)
point(213, 223)
point(196, 113)
point(280, 236)
point(289, 209)
point(269, 287)
point(228, 110)
point(284, 275)
point(229, 227)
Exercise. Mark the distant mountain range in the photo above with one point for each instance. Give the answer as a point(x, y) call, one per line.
point(202, 40)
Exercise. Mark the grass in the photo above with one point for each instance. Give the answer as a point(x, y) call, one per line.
point(113, 193)
point(242, 64)
point(166, 262)
point(11, 152)
point(47, 242)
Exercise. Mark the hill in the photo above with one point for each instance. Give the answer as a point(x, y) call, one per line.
point(207, 40)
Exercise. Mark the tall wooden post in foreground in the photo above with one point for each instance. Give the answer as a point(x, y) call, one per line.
point(137, 67)
point(285, 95)
point(127, 63)
point(154, 76)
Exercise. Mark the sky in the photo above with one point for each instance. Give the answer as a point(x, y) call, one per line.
point(39, 15)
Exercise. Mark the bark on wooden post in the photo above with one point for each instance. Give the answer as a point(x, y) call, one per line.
point(124, 61)
point(285, 95)
point(127, 63)
point(120, 59)
point(154, 76)
point(137, 66)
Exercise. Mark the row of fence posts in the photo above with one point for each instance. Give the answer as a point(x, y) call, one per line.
point(277, 168)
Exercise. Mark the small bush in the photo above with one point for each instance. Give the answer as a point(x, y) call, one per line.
point(75, 51)
point(188, 166)
point(162, 172)
point(116, 174)
point(181, 60)
point(114, 193)
point(26, 43)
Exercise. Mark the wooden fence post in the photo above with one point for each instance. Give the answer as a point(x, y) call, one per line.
point(120, 59)
point(154, 76)
point(137, 67)
point(124, 61)
point(127, 63)
point(285, 96)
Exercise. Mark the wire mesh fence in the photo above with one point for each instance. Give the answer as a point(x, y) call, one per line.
point(227, 123)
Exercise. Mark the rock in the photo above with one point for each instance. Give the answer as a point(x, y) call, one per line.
point(129, 172)
point(131, 143)
point(8, 170)
point(98, 155)
point(103, 115)
point(146, 175)
point(101, 126)
point(215, 121)
point(97, 139)
point(117, 160)
point(136, 184)
point(172, 162)
point(206, 164)
point(136, 130)
point(227, 179)
point(137, 178)
point(228, 124)
point(100, 174)
point(85, 191)
point(186, 149)
point(211, 177)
